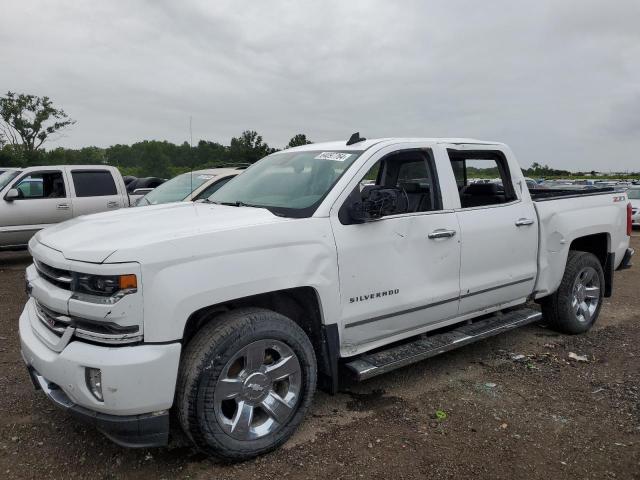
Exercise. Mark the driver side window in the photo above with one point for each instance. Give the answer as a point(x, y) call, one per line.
point(412, 174)
point(41, 185)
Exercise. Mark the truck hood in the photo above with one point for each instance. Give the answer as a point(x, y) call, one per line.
point(94, 238)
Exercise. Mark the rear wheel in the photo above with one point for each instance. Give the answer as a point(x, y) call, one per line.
point(246, 380)
point(575, 306)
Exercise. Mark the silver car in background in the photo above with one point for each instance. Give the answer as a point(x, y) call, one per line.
point(36, 197)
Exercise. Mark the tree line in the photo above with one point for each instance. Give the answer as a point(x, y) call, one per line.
point(150, 157)
point(28, 121)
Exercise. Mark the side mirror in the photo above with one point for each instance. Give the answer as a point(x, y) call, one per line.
point(12, 195)
point(378, 202)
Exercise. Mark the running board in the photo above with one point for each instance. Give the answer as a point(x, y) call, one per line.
point(372, 364)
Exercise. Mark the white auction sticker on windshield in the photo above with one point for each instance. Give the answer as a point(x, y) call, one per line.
point(335, 156)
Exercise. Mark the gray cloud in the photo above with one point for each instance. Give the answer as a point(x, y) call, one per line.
point(558, 81)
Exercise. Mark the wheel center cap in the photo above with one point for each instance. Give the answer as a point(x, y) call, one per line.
point(256, 386)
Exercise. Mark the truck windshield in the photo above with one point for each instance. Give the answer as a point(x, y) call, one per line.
point(7, 176)
point(175, 190)
point(290, 184)
point(634, 193)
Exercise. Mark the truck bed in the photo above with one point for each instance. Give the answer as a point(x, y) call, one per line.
point(544, 194)
point(564, 215)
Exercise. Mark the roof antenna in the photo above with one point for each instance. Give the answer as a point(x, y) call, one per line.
point(191, 154)
point(355, 138)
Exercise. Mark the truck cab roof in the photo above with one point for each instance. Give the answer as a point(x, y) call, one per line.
point(365, 144)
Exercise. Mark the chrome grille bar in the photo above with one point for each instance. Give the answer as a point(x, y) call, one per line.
point(59, 277)
point(59, 324)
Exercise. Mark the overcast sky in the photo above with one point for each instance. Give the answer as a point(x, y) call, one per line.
point(557, 80)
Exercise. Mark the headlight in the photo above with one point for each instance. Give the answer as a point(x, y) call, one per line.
point(102, 288)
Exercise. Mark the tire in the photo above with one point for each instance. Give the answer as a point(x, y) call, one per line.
point(575, 306)
point(223, 374)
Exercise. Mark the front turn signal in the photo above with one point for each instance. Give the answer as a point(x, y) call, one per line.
point(127, 282)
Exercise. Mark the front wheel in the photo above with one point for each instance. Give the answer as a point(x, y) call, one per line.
point(245, 382)
point(575, 306)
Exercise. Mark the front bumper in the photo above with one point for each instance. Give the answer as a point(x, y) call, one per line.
point(138, 382)
point(134, 431)
point(626, 259)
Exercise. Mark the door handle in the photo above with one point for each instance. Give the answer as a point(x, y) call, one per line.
point(441, 233)
point(112, 204)
point(521, 222)
point(62, 206)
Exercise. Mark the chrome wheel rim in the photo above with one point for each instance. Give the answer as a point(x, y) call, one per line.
point(258, 390)
point(586, 294)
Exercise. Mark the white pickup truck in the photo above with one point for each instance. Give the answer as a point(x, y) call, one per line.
point(318, 263)
point(36, 197)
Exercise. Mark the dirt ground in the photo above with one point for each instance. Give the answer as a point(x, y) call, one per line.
point(541, 416)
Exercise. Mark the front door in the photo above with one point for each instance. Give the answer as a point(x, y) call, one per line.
point(400, 273)
point(43, 200)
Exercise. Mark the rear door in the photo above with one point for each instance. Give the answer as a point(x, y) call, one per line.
point(498, 226)
point(43, 200)
point(94, 190)
point(398, 274)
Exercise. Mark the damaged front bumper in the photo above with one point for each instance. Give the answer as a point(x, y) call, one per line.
point(134, 431)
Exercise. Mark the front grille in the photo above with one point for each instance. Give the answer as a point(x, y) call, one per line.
point(58, 277)
point(54, 321)
point(101, 332)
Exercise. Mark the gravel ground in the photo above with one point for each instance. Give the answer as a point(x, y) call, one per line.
point(543, 415)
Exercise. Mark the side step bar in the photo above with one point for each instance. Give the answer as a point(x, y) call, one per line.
point(382, 361)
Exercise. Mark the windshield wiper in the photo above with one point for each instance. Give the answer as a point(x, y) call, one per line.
point(228, 204)
point(239, 203)
point(243, 204)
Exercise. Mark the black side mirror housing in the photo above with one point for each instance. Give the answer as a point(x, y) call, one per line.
point(376, 202)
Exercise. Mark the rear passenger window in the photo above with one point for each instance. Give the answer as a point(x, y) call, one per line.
point(94, 183)
point(482, 177)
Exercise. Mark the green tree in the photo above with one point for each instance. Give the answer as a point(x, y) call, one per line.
point(248, 148)
point(211, 154)
point(28, 121)
point(297, 140)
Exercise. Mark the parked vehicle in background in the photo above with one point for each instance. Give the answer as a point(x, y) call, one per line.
point(36, 197)
point(190, 186)
point(139, 187)
point(6, 169)
point(134, 183)
point(128, 179)
point(295, 273)
point(634, 198)
point(531, 183)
